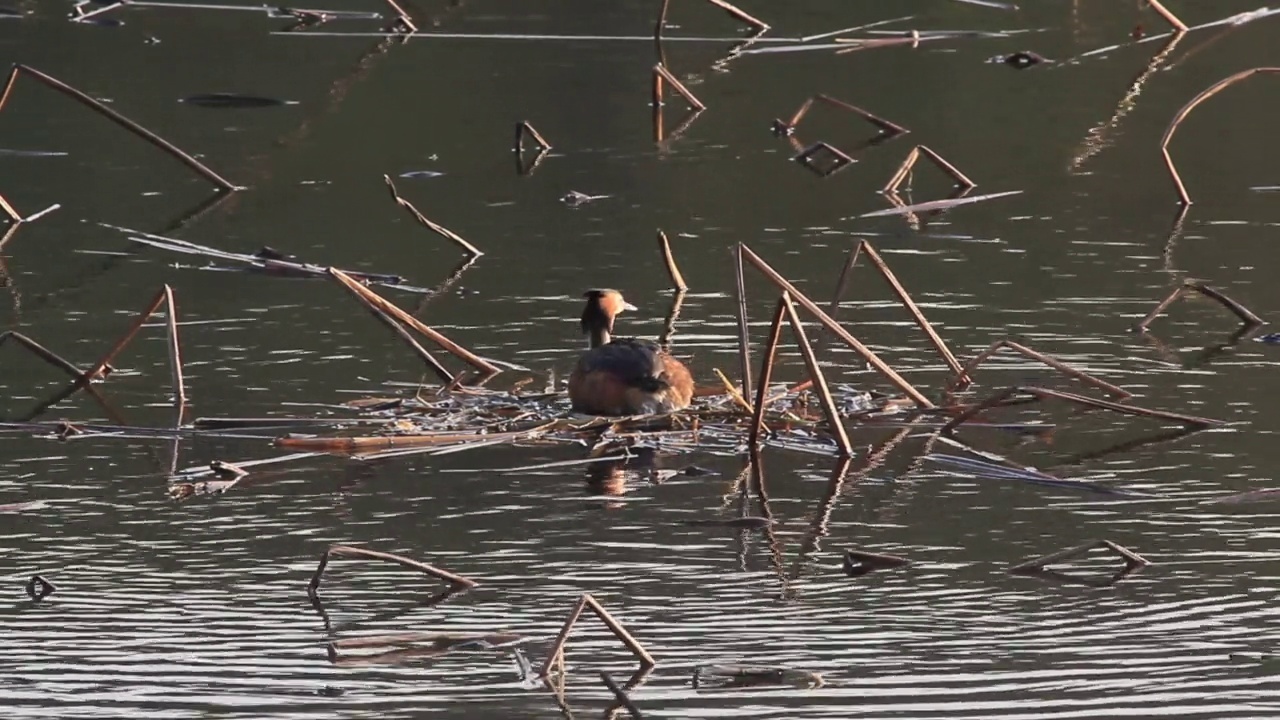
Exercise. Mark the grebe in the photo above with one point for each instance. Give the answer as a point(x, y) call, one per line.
point(624, 376)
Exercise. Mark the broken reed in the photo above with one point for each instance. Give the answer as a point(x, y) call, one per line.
point(523, 129)
point(784, 285)
point(913, 157)
point(556, 656)
point(961, 378)
point(660, 73)
point(673, 271)
point(456, 582)
point(789, 126)
point(373, 300)
point(427, 223)
point(121, 120)
point(1247, 317)
point(1181, 115)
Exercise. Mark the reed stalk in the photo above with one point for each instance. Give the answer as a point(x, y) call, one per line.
point(1086, 378)
point(665, 74)
point(457, 581)
point(819, 380)
point(766, 373)
point(43, 353)
point(115, 117)
point(175, 348)
point(783, 284)
point(427, 223)
point(401, 316)
point(673, 271)
point(99, 368)
point(1181, 115)
point(1245, 314)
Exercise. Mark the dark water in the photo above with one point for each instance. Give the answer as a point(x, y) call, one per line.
point(199, 608)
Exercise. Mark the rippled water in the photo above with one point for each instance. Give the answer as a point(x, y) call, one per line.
point(199, 608)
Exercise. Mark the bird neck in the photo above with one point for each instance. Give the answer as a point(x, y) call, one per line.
point(598, 336)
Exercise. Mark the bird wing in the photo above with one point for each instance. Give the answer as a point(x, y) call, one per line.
point(636, 362)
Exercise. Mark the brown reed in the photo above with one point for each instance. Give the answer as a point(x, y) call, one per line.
point(958, 380)
point(839, 159)
point(912, 157)
point(523, 129)
point(43, 353)
point(425, 222)
point(905, 298)
point(886, 126)
point(766, 373)
point(121, 120)
point(1132, 559)
point(620, 695)
point(457, 582)
point(175, 348)
point(819, 380)
point(400, 331)
point(1245, 314)
point(1181, 115)
point(9, 210)
point(756, 23)
point(556, 656)
point(663, 73)
point(403, 16)
point(783, 284)
point(677, 280)
point(1169, 17)
point(401, 316)
point(103, 365)
point(744, 342)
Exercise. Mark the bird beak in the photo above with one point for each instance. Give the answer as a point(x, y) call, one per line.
point(629, 306)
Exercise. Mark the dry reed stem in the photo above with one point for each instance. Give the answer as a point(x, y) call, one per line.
point(404, 16)
point(1169, 17)
point(677, 280)
point(9, 210)
point(43, 353)
point(1132, 559)
point(735, 394)
point(1181, 115)
point(914, 156)
point(744, 342)
point(1191, 420)
point(620, 695)
point(660, 25)
point(103, 364)
point(115, 117)
point(766, 373)
point(1054, 363)
point(557, 648)
point(619, 631)
point(905, 298)
point(523, 129)
point(366, 444)
point(819, 380)
point(427, 223)
point(759, 25)
point(866, 353)
point(689, 97)
point(8, 235)
point(885, 126)
point(395, 312)
point(457, 581)
point(444, 375)
point(175, 348)
point(1246, 316)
